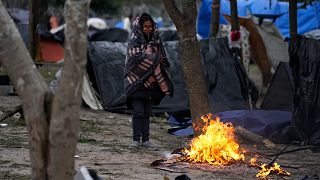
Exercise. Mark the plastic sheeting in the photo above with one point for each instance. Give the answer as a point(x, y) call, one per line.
point(308, 19)
point(305, 62)
point(280, 91)
point(111, 34)
point(226, 81)
point(23, 29)
point(268, 124)
point(168, 34)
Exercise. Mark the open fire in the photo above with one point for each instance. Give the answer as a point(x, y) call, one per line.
point(217, 146)
point(267, 169)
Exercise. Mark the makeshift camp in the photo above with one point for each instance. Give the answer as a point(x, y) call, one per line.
point(273, 10)
point(227, 82)
point(50, 50)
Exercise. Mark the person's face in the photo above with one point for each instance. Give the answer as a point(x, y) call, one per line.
point(147, 27)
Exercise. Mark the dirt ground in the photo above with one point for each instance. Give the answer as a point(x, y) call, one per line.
point(103, 146)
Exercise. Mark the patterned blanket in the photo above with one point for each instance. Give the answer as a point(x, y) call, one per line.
point(146, 63)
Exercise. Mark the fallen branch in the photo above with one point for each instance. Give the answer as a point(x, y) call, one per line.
point(294, 150)
point(10, 113)
point(254, 137)
point(271, 163)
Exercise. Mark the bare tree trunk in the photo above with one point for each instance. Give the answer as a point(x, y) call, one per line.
point(51, 152)
point(65, 111)
point(191, 59)
point(31, 89)
point(215, 17)
point(37, 14)
point(293, 18)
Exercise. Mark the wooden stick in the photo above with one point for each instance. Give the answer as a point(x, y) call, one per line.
point(9, 113)
point(254, 137)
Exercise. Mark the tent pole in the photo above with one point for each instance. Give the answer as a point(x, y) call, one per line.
point(293, 18)
point(234, 16)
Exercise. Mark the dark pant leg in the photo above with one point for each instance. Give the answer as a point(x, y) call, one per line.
point(137, 118)
point(146, 121)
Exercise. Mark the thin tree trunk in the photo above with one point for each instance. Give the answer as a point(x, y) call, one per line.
point(37, 14)
point(293, 18)
point(51, 152)
point(234, 16)
point(185, 22)
point(215, 17)
point(66, 104)
point(31, 89)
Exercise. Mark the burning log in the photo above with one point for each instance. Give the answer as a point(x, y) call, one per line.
point(266, 169)
point(254, 137)
point(216, 145)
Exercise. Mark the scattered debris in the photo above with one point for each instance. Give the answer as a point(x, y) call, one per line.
point(3, 125)
point(12, 112)
point(111, 117)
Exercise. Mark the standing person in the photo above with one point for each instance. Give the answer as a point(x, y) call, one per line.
point(146, 80)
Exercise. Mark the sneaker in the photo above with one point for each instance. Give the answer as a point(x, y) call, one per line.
point(134, 145)
point(149, 146)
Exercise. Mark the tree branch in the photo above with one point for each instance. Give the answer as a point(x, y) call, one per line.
point(173, 12)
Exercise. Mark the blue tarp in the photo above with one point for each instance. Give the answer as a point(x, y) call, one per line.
point(266, 123)
point(308, 19)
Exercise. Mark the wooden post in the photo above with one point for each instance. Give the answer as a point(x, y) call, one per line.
point(214, 23)
point(293, 18)
point(234, 15)
point(37, 14)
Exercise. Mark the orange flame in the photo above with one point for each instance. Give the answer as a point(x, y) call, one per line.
point(266, 170)
point(216, 145)
point(253, 161)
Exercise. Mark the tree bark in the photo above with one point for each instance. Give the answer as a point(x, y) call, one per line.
point(293, 18)
point(51, 152)
point(66, 104)
point(38, 13)
point(185, 22)
point(215, 17)
point(31, 89)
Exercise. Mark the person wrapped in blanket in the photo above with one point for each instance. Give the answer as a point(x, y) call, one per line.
point(146, 80)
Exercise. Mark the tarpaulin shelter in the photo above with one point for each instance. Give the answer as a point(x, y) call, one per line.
point(227, 82)
point(50, 49)
point(305, 63)
point(308, 19)
point(280, 92)
point(19, 15)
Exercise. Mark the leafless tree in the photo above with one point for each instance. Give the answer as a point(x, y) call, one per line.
point(52, 121)
point(185, 22)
